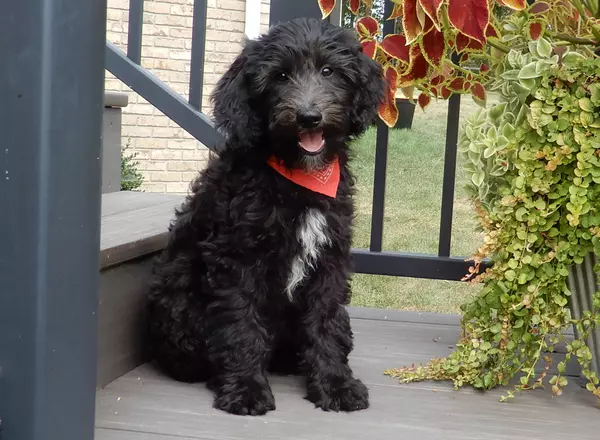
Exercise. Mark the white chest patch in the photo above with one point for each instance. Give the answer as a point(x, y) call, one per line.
point(312, 236)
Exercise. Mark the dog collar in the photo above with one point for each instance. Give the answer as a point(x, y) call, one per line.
point(324, 181)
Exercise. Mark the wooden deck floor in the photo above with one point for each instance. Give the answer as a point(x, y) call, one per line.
point(143, 405)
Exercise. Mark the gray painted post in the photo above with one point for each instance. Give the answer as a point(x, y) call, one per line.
point(51, 89)
point(284, 10)
point(114, 103)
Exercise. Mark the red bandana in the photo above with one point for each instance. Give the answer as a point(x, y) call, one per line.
point(324, 181)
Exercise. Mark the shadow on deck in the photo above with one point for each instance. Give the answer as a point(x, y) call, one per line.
point(141, 404)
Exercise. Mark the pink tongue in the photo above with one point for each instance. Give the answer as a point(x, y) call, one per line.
point(311, 141)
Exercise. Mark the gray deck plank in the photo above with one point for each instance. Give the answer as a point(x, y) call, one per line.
point(134, 225)
point(144, 405)
point(114, 434)
point(123, 201)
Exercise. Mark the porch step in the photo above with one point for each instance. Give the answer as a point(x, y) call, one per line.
point(134, 228)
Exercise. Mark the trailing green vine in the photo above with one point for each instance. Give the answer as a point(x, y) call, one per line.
point(535, 169)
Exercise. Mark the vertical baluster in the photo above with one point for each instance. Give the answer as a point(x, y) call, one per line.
point(449, 181)
point(198, 51)
point(134, 35)
point(381, 152)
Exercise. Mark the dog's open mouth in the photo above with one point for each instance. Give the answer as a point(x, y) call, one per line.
point(311, 141)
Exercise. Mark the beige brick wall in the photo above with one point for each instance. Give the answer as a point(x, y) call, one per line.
point(169, 157)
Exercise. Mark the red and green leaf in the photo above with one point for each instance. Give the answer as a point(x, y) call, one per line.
point(470, 17)
point(427, 25)
point(539, 8)
point(408, 92)
point(517, 5)
point(396, 12)
point(431, 8)
point(478, 92)
point(388, 111)
point(437, 80)
point(354, 6)
point(369, 47)
point(395, 46)
point(410, 20)
point(457, 85)
point(484, 68)
point(536, 29)
point(433, 47)
point(424, 100)
point(367, 27)
point(421, 15)
point(326, 7)
point(491, 31)
point(445, 92)
point(417, 70)
point(446, 70)
point(466, 44)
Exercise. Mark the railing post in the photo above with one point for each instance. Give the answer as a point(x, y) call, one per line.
point(380, 172)
point(51, 89)
point(449, 182)
point(134, 33)
point(198, 52)
point(284, 10)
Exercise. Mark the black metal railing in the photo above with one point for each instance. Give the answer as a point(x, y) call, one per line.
point(374, 260)
point(127, 67)
point(198, 50)
point(379, 262)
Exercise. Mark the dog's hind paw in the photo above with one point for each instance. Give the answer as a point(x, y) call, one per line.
point(246, 400)
point(341, 394)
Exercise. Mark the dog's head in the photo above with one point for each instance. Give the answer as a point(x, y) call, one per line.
point(300, 92)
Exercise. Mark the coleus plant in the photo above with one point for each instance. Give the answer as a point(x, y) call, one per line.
point(439, 39)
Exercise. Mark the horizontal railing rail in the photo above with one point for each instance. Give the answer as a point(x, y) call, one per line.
point(161, 96)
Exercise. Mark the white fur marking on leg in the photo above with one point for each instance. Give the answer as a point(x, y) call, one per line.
point(312, 235)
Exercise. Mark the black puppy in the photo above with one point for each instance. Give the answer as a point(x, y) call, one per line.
point(255, 276)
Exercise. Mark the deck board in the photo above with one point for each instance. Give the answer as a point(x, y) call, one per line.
point(144, 405)
point(126, 201)
point(134, 224)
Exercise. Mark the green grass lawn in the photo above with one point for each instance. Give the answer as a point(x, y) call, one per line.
point(412, 213)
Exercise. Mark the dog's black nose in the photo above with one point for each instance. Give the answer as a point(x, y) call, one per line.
point(309, 118)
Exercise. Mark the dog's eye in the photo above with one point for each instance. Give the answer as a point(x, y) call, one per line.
point(326, 72)
point(282, 76)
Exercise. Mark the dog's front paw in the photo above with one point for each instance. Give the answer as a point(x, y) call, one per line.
point(253, 399)
point(338, 394)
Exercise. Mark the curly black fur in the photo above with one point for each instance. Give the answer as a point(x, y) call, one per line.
point(218, 307)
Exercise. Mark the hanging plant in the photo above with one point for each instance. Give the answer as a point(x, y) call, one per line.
point(533, 159)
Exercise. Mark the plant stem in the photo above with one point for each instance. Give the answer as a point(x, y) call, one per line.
point(574, 40)
point(481, 56)
point(460, 69)
point(538, 355)
point(497, 45)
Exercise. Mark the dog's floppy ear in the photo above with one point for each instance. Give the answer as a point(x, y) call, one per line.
point(370, 92)
point(234, 113)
